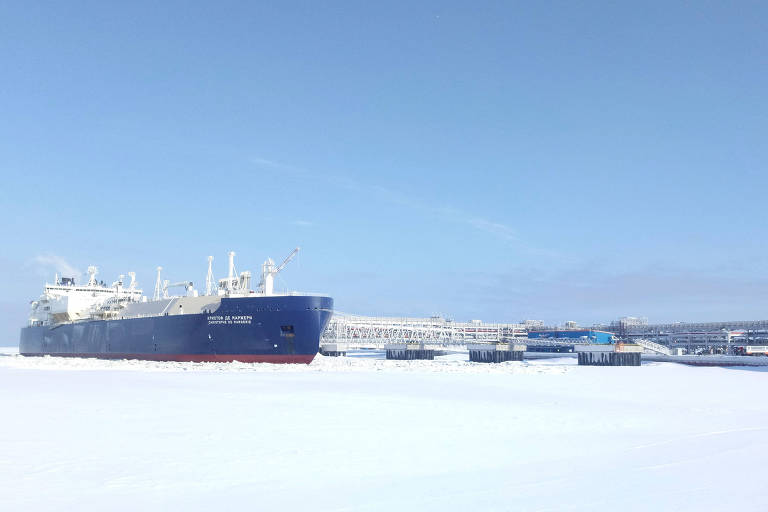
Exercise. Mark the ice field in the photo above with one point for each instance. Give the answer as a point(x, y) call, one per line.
point(362, 433)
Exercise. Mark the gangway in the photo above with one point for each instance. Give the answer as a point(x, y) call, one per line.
point(654, 347)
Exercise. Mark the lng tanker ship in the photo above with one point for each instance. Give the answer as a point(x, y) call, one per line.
point(230, 322)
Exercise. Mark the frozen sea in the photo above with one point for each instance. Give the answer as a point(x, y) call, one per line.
point(363, 433)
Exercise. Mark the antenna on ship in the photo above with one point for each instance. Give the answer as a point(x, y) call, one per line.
point(209, 278)
point(158, 285)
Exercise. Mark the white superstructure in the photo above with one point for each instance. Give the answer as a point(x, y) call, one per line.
point(65, 301)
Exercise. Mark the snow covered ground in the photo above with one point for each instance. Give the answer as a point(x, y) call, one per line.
point(362, 433)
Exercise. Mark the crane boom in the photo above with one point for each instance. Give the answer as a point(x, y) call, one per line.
point(287, 260)
point(185, 284)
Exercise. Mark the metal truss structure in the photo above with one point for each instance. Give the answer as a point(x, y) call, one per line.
point(679, 327)
point(374, 332)
point(720, 336)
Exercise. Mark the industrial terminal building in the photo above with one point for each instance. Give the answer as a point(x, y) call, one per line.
point(577, 336)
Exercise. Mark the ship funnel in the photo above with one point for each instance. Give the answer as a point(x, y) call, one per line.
point(92, 271)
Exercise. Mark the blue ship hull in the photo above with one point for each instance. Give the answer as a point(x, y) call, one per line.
point(276, 329)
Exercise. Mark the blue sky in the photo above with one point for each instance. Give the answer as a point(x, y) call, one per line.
point(491, 160)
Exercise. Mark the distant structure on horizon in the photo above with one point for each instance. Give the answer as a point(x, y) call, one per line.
point(722, 337)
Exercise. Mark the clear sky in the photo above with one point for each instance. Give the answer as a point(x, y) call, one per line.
point(492, 160)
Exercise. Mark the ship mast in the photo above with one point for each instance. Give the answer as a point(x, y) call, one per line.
point(158, 286)
point(209, 281)
point(231, 279)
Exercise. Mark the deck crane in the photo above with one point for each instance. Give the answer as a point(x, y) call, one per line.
point(269, 271)
point(188, 288)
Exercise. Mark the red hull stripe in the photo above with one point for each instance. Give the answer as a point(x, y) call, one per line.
point(200, 358)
